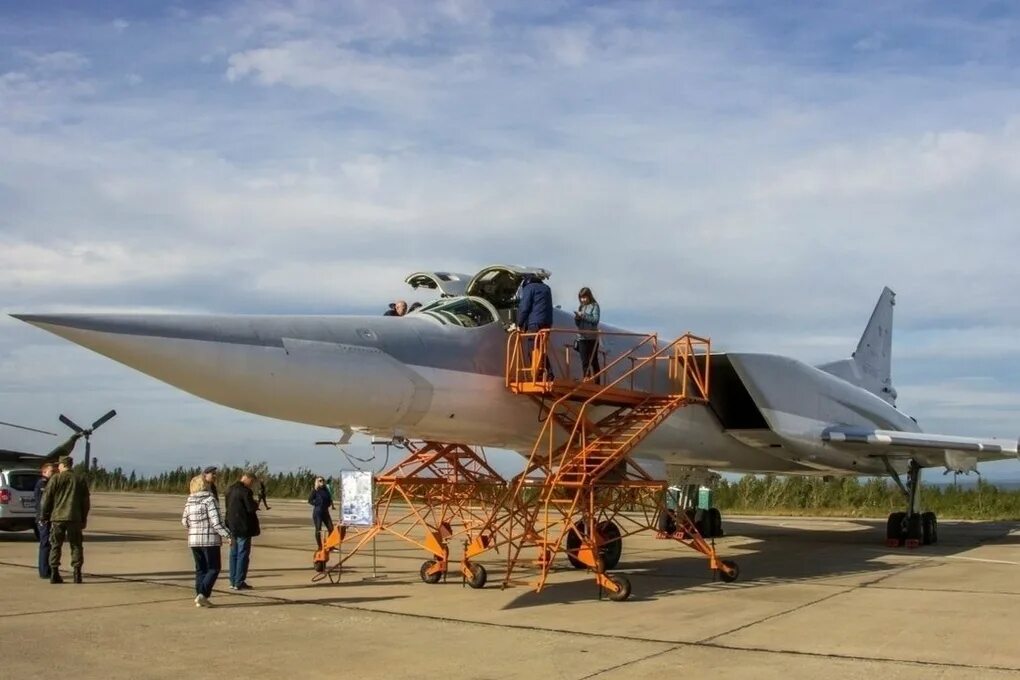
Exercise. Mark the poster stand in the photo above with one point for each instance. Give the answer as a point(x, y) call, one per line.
point(357, 507)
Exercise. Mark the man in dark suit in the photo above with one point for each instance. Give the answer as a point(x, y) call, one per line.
point(243, 522)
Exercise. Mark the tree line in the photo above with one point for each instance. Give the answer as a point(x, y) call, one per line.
point(857, 497)
point(294, 484)
point(751, 494)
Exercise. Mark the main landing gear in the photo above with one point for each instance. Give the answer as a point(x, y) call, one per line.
point(912, 528)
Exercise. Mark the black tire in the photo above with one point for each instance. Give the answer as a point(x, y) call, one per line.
point(573, 545)
point(478, 576)
point(425, 576)
point(623, 583)
point(610, 552)
point(894, 529)
point(915, 531)
point(713, 522)
point(612, 544)
point(667, 522)
point(929, 529)
point(320, 566)
point(732, 576)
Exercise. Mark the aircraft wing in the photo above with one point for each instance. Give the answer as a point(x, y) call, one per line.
point(958, 454)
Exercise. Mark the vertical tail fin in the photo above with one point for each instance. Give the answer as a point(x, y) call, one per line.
point(873, 356)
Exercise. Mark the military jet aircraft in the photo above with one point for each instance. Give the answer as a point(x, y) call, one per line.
point(438, 374)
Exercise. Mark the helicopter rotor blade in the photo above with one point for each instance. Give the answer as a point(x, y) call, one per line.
point(30, 429)
point(105, 418)
point(70, 423)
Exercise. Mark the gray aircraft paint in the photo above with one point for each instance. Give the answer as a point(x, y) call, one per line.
point(413, 376)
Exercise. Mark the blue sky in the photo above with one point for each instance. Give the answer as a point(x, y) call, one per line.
point(752, 171)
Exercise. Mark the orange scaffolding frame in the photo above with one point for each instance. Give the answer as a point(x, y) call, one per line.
point(581, 491)
point(439, 491)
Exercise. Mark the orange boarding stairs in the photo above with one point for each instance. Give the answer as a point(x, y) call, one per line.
point(581, 491)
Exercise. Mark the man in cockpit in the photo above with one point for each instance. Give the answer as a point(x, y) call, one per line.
point(398, 308)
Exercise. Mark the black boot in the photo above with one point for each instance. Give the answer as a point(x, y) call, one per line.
point(77, 574)
point(55, 576)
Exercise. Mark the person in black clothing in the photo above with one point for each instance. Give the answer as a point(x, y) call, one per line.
point(262, 496)
point(535, 313)
point(321, 500)
point(43, 528)
point(243, 523)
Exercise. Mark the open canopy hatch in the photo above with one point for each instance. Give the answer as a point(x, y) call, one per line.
point(499, 283)
point(489, 296)
point(448, 284)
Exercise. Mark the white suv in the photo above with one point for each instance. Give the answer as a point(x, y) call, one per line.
point(17, 499)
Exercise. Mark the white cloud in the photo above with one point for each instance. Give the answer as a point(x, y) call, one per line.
point(693, 168)
point(60, 60)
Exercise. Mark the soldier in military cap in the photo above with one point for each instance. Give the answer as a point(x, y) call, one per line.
point(66, 507)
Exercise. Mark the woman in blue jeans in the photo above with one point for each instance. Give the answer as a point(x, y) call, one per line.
point(321, 501)
point(205, 536)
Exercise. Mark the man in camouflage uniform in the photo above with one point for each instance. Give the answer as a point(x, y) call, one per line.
point(66, 508)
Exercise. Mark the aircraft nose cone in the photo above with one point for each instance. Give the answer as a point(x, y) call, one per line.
point(301, 369)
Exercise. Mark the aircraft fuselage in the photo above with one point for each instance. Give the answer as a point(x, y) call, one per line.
point(415, 377)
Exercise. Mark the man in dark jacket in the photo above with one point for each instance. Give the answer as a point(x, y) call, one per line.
point(535, 313)
point(66, 508)
point(243, 522)
point(43, 528)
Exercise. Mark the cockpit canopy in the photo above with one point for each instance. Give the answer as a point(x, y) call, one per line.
point(447, 283)
point(463, 311)
point(499, 283)
point(489, 296)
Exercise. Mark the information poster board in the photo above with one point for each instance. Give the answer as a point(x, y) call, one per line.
point(356, 507)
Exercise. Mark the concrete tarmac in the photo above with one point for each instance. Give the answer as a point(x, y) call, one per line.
point(816, 598)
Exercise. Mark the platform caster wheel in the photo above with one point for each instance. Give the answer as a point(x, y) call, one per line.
point(929, 528)
point(622, 584)
point(320, 566)
point(729, 576)
point(478, 576)
point(426, 576)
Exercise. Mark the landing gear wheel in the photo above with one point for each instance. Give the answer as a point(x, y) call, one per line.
point(894, 527)
point(612, 544)
point(623, 588)
point(914, 529)
point(320, 566)
point(667, 522)
point(713, 523)
point(478, 576)
point(427, 577)
point(609, 553)
point(929, 528)
point(573, 545)
point(729, 576)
